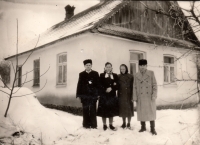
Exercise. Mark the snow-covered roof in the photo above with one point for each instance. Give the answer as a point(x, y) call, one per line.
point(143, 37)
point(81, 22)
point(87, 21)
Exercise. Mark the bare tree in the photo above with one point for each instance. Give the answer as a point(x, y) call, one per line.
point(5, 72)
point(4, 66)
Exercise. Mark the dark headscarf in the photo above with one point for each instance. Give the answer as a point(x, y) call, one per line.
point(125, 67)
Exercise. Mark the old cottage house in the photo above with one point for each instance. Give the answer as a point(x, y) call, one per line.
point(118, 31)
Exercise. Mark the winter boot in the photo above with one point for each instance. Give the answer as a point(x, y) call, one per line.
point(143, 127)
point(128, 125)
point(152, 125)
point(105, 127)
point(123, 125)
point(112, 127)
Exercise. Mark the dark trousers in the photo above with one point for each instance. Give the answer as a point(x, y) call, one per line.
point(89, 115)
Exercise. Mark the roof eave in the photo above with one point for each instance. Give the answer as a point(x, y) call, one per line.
point(48, 44)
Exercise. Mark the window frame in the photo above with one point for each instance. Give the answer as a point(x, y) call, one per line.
point(34, 84)
point(57, 70)
point(174, 65)
point(136, 61)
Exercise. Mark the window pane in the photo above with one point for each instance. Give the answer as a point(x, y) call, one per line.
point(166, 72)
point(60, 59)
point(20, 76)
point(64, 58)
point(36, 80)
point(133, 68)
point(172, 79)
point(64, 73)
point(60, 74)
point(168, 59)
point(135, 56)
point(140, 56)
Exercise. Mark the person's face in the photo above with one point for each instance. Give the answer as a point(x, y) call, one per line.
point(108, 68)
point(142, 68)
point(123, 69)
point(88, 66)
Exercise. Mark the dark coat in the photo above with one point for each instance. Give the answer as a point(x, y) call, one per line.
point(125, 93)
point(88, 87)
point(145, 93)
point(108, 102)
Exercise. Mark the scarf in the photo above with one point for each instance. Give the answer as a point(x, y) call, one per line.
point(109, 74)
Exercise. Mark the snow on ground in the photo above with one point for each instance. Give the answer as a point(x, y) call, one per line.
point(50, 126)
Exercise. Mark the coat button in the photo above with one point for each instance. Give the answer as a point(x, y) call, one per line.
point(141, 93)
point(147, 92)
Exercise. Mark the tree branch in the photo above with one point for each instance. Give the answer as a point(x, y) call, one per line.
point(39, 76)
point(33, 92)
point(31, 51)
point(21, 85)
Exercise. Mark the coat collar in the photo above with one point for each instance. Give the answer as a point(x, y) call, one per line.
point(144, 76)
point(126, 76)
point(87, 72)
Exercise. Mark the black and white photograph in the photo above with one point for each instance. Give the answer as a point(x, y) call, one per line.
point(99, 72)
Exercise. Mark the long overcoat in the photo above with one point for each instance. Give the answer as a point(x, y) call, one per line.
point(88, 87)
point(145, 94)
point(108, 102)
point(125, 93)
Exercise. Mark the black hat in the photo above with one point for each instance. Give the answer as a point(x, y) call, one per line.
point(87, 61)
point(142, 62)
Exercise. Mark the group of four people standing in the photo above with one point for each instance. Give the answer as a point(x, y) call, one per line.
point(116, 94)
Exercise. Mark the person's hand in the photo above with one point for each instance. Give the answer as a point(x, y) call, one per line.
point(108, 90)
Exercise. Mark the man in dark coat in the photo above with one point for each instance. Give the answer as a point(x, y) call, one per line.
point(87, 91)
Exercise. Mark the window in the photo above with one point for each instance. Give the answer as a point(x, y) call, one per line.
point(135, 56)
point(19, 76)
point(169, 69)
point(62, 69)
point(36, 72)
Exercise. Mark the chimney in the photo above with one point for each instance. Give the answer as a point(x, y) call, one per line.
point(69, 12)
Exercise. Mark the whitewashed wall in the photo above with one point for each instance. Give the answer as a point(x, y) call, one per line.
point(102, 48)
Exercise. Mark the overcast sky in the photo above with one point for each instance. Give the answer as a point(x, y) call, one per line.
point(34, 17)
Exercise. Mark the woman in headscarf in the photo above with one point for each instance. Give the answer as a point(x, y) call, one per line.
point(125, 95)
point(108, 102)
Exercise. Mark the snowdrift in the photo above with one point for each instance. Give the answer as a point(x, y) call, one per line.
point(49, 126)
point(28, 114)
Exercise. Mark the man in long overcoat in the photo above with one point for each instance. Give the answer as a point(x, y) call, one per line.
point(88, 92)
point(145, 94)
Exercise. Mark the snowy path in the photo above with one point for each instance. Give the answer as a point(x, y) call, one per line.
point(174, 127)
